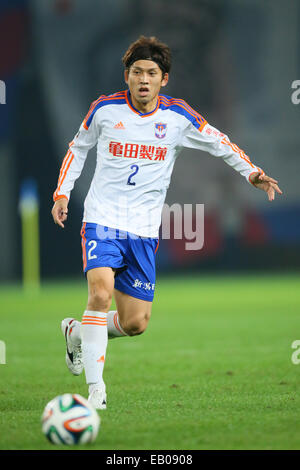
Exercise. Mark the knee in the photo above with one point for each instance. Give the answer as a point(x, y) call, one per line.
point(99, 298)
point(136, 326)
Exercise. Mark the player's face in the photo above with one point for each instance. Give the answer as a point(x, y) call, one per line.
point(145, 79)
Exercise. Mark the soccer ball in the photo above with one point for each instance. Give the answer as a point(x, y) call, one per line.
point(70, 419)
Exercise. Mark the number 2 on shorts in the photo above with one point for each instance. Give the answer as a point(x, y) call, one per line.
point(92, 244)
point(136, 169)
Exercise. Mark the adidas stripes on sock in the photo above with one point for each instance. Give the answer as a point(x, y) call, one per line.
point(113, 325)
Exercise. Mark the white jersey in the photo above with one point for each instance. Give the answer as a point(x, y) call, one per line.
point(136, 153)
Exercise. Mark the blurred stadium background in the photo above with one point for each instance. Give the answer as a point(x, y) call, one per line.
point(234, 61)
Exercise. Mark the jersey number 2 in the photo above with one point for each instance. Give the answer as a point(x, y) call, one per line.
point(136, 169)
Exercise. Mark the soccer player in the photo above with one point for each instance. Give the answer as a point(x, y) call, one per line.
point(139, 133)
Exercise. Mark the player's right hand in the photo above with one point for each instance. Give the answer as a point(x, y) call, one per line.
point(60, 211)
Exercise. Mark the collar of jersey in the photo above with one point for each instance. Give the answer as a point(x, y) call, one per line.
point(129, 102)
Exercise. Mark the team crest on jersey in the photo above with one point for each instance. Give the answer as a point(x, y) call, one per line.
point(160, 130)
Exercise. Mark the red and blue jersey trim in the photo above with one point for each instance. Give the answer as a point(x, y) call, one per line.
point(181, 107)
point(103, 100)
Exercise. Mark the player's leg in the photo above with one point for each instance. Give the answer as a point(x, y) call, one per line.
point(102, 254)
point(94, 331)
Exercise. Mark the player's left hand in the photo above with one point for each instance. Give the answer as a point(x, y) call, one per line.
point(266, 183)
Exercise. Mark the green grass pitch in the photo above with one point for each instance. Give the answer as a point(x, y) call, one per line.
point(212, 371)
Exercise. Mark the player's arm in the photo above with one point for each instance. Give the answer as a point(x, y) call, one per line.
point(209, 139)
point(72, 166)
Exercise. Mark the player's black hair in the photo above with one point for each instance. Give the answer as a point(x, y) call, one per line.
point(148, 49)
